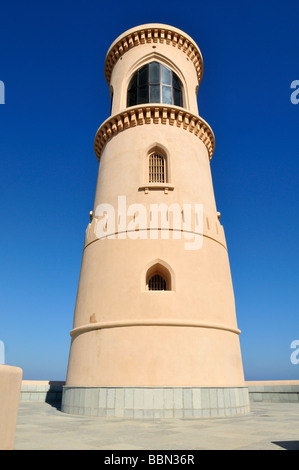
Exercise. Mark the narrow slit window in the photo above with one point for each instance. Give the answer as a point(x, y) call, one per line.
point(157, 168)
point(157, 282)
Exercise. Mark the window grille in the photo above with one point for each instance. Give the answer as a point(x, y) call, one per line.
point(156, 168)
point(157, 282)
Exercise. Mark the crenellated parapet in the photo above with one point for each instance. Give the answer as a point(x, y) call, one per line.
point(153, 34)
point(154, 114)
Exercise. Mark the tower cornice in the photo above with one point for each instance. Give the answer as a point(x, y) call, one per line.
point(153, 33)
point(154, 114)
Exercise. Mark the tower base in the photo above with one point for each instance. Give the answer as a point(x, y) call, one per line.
point(155, 402)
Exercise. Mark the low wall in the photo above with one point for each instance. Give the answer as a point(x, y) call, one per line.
point(285, 391)
point(41, 391)
point(277, 391)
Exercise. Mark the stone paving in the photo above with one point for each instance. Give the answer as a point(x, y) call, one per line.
point(269, 426)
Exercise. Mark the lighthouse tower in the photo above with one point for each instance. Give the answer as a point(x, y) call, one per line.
point(155, 331)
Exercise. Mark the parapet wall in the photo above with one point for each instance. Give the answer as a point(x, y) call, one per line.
point(280, 391)
point(41, 391)
point(284, 391)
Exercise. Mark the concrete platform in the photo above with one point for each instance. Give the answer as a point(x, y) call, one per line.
point(269, 426)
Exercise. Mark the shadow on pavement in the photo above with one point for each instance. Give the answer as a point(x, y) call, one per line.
point(288, 445)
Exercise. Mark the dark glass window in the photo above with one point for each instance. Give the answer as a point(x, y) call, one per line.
point(154, 72)
point(154, 93)
point(132, 91)
point(166, 76)
point(143, 77)
point(154, 83)
point(143, 95)
point(166, 94)
point(175, 82)
point(177, 95)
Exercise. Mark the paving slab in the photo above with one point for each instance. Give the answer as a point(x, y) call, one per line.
point(269, 426)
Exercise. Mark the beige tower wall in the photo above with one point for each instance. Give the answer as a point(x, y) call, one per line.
point(112, 287)
point(10, 387)
point(123, 334)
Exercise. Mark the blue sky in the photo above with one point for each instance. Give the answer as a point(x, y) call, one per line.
point(52, 64)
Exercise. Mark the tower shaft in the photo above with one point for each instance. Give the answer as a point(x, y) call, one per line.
point(155, 311)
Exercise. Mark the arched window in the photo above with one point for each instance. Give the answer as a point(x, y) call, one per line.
point(158, 278)
point(157, 168)
point(154, 83)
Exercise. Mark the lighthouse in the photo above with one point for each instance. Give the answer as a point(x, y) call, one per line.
point(155, 332)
